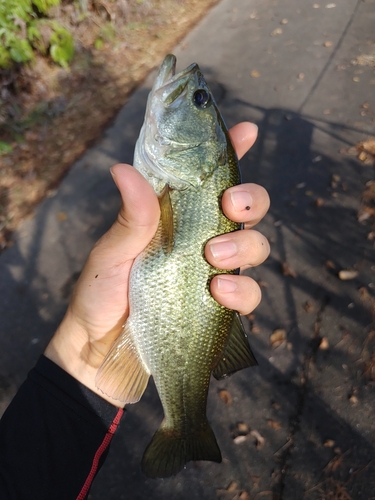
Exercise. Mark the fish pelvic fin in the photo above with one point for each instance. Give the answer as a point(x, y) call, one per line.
point(237, 353)
point(166, 216)
point(169, 450)
point(122, 375)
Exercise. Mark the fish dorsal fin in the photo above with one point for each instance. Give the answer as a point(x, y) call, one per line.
point(237, 353)
point(166, 215)
point(122, 375)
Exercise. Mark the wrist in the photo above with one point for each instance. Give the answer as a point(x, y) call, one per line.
point(71, 350)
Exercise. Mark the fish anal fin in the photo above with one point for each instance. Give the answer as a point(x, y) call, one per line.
point(122, 375)
point(166, 215)
point(237, 353)
point(170, 450)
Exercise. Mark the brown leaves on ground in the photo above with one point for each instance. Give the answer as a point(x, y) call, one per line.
point(233, 492)
point(364, 150)
point(287, 270)
point(225, 396)
point(367, 210)
point(56, 114)
point(274, 424)
point(368, 357)
point(278, 337)
point(348, 274)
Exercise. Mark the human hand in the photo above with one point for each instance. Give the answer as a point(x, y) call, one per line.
point(99, 304)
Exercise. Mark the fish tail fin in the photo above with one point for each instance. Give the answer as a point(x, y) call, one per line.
point(169, 450)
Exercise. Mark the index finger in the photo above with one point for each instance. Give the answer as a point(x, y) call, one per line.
point(243, 135)
point(246, 203)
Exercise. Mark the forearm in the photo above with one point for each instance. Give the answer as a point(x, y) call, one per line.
point(53, 437)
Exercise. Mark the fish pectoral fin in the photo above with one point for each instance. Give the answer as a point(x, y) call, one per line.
point(237, 353)
point(169, 450)
point(122, 375)
point(166, 215)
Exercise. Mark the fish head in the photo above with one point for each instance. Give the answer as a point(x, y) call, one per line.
point(183, 138)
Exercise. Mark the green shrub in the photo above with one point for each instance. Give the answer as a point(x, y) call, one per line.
point(21, 22)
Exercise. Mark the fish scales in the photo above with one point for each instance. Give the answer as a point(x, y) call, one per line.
point(186, 325)
point(176, 331)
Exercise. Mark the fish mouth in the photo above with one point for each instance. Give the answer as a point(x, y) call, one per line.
point(168, 80)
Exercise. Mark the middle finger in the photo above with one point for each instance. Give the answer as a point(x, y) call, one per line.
point(238, 249)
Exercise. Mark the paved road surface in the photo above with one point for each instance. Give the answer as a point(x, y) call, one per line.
point(288, 66)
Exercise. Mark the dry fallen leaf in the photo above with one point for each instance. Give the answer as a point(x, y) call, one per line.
point(277, 31)
point(277, 337)
point(348, 274)
point(335, 179)
point(239, 439)
point(259, 439)
point(330, 265)
point(287, 270)
point(368, 145)
point(242, 428)
point(324, 344)
point(255, 73)
point(364, 214)
point(307, 306)
point(244, 496)
point(364, 293)
point(329, 443)
point(364, 60)
point(61, 216)
point(330, 5)
point(255, 329)
point(284, 21)
point(274, 424)
point(327, 43)
point(233, 486)
point(262, 284)
point(225, 396)
point(353, 399)
point(319, 202)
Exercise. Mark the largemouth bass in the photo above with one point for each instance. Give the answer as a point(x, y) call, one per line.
point(176, 331)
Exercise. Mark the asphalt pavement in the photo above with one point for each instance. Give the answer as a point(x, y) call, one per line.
point(301, 425)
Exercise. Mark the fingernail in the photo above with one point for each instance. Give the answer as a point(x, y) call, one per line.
point(226, 285)
point(113, 175)
point(241, 200)
point(255, 127)
point(223, 250)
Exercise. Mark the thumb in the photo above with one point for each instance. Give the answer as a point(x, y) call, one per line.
point(137, 220)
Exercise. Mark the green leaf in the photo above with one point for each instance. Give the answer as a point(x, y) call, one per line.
point(62, 45)
point(5, 59)
point(35, 37)
point(20, 50)
point(5, 148)
point(44, 5)
point(98, 43)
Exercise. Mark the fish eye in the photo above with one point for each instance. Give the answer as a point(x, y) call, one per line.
point(201, 98)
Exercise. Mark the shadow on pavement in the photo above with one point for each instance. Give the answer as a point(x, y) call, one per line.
point(321, 438)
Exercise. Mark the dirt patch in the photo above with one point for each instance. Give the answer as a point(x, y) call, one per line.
point(48, 115)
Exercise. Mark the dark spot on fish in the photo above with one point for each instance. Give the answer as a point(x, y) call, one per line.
point(96, 275)
point(247, 208)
